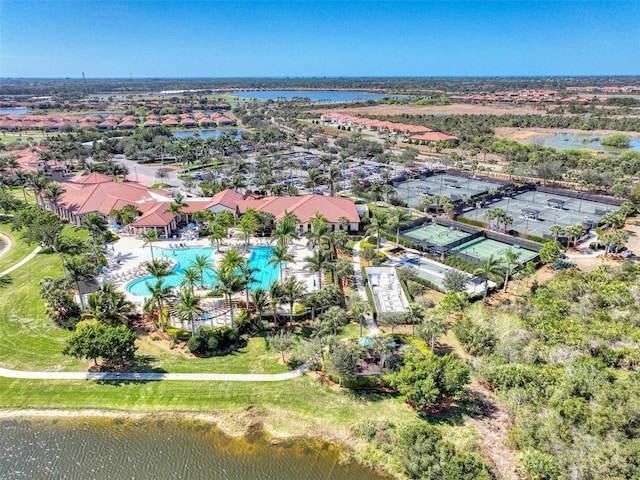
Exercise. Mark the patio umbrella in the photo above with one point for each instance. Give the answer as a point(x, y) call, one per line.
point(192, 225)
point(115, 225)
point(365, 341)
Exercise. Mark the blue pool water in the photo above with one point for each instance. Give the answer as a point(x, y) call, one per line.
point(265, 274)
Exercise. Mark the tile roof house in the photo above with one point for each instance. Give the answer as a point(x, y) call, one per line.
point(305, 207)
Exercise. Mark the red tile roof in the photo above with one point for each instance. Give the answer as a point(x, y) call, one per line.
point(304, 207)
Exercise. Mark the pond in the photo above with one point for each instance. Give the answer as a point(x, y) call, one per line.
point(313, 95)
point(109, 448)
point(17, 111)
point(215, 133)
point(582, 141)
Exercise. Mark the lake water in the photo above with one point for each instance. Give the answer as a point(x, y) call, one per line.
point(564, 141)
point(215, 133)
point(313, 95)
point(19, 111)
point(109, 448)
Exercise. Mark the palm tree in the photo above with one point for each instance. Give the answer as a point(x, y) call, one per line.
point(246, 272)
point(285, 230)
point(150, 236)
point(176, 208)
point(415, 315)
point(489, 268)
point(399, 217)
point(379, 223)
point(292, 291)
point(357, 310)
point(159, 294)
point(280, 256)
point(232, 259)
point(38, 181)
point(510, 258)
point(79, 269)
point(431, 328)
point(96, 224)
point(333, 176)
point(202, 263)
point(228, 282)
point(190, 276)
point(555, 231)
point(260, 300)
point(108, 305)
point(158, 268)
point(275, 297)
point(52, 193)
point(319, 230)
point(317, 263)
point(188, 308)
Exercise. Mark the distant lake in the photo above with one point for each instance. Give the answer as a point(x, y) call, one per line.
point(313, 95)
point(215, 133)
point(153, 448)
point(19, 111)
point(582, 141)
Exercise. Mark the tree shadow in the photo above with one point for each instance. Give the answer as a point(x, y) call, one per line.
point(370, 396)
point(473, 405)
point(6, 280)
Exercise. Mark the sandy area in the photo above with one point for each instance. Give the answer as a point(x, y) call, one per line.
point(455, 109)
point(524, 134)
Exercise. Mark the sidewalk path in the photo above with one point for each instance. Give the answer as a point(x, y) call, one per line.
point(21, 262)
point(371, 324)
point(194, 377)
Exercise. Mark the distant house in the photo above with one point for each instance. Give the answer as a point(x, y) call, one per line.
point(435, 137)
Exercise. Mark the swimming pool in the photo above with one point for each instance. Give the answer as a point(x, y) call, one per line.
point(265, 274)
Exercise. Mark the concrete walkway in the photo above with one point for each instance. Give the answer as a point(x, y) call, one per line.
point(21, 262)
point(194, 377)
point(371, 324)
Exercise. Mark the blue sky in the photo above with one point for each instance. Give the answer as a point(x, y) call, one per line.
point(317, 38)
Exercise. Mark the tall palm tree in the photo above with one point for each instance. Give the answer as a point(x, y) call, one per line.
point(333, 176)
point(275, 297)
point(52, 193)
point(431, 328)
point(228, 282)
point(319, 230)
point(285, 230)
point(292, 291)
point(202, 263)
point(399, 217)
point(357, 310)
point(159, 295)
point(379, 223)
point(109, 305)
point(490, 268)
point(247, 273)
point(150, 236)
point(415, 315)
point(188, 308)
point(96, 224)
point(158, 268)
point(280, 256)
point(232, 259)
point(190, 276)
point(510, 258)
point(79, 269)
point(317, 262)
point(260, 300)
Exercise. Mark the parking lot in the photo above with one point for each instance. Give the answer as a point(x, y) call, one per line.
point(454, 187)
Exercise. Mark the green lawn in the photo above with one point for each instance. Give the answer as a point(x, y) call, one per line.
point(289, 404)
point(254, 358)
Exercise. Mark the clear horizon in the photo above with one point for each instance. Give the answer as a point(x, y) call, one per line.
point(311, 39)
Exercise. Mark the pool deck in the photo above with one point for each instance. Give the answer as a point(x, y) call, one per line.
point(133, 254)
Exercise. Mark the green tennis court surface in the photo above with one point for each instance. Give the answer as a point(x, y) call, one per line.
point(482, 248)
point(435, 234)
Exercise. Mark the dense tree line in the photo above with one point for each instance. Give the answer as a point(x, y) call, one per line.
point(565, 360)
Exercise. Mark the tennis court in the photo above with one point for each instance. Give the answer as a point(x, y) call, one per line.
point(434, 234)
point(454, 187)
point(534, 213)
point(482, 248)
